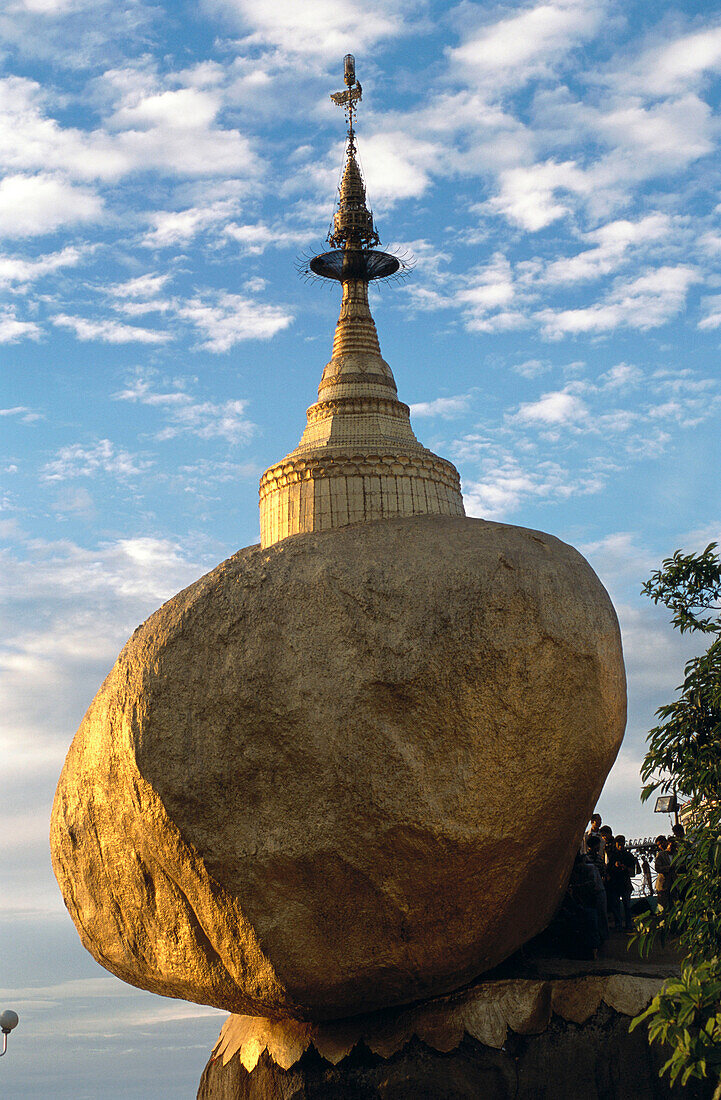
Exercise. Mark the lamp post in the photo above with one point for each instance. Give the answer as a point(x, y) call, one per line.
point(8, 1021)
point(667, 804)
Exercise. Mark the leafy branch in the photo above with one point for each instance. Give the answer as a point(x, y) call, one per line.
point(684, 754)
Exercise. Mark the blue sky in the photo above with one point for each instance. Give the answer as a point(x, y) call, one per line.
point(554, 169)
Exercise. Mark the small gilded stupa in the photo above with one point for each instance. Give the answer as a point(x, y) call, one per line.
point(358, 458)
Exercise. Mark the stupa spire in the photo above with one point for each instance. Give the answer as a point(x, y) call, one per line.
point(353, 226)
point(358, 459)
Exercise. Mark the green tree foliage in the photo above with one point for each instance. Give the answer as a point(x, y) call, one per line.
point(684, 755)
point(686, 1016)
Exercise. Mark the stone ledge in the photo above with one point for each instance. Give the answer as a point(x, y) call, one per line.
point(486, 1012)
point(596, 1060)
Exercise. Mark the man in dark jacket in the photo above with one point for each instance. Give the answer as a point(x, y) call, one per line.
point(622, 866)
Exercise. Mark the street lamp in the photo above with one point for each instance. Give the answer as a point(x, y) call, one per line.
point(667, 804)
point(8, 1021)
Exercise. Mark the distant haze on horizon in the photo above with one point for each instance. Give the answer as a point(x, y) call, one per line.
point(553, 166)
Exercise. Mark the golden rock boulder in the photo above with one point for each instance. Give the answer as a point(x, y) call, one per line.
point(346, 771)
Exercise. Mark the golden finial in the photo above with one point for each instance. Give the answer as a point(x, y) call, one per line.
point(350, 97)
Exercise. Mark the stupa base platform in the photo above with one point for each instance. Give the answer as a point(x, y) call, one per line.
point(562, 1035)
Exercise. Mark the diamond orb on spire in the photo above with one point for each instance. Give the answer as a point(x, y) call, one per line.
point(358, 459)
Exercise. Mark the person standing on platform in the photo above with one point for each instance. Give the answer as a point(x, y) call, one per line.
point(594, 830)
point(622, 866)
point(599, 867)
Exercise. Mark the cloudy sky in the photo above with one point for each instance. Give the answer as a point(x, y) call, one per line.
point(553, 167)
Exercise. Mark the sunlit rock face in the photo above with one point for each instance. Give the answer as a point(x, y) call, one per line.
point(343, 772)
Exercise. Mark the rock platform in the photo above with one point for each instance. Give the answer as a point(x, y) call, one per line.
point(560, 1031)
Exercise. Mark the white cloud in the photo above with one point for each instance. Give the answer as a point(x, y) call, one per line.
point(316, 28)
point(505, 483)
point(184, 414)
point(171, 227)
point(619, 558)
point(79, 460)
point(682, 381)
point(485, 294)
point(25, 415)
point(103, 990)
point(528, 193)
point(204, 74)
point(497, 480)
point(712, 318)
point(622, 788)
point(427, 298)
point(211, 419)
point(662, 137)
point(617, 142)
point(188, 153)
point(397, 165)
point(257, 237)
point(222, 319)
point(463, 133)
point(445, 407)
point(622, 376)
point(138, 296)
point(553, 410)
point(490, 287)
point(142, 286)
point(503, 321)
point(175, 130)
point(230, 318)
point(687, 410)
point(612, 244)
point(531, 368)
point(12, 330)
point(139, 568)
point(137, 308)
point(110, 332)
point(33, 205)
point(149, 127)
point(673, 67)
point(48, 7)
point(647, 301)
point(655, 654)
point(30, 140)
point(180, 108)
point(499, 493)
point(509, 52)
point(710, 242)
point(139, 390)
point(17, 270)
point(75, 36)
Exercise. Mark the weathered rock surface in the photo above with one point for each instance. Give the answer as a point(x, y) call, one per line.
point(513, 1038)
point(346, 771)
point(488, 1011)
point(598, 1060)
